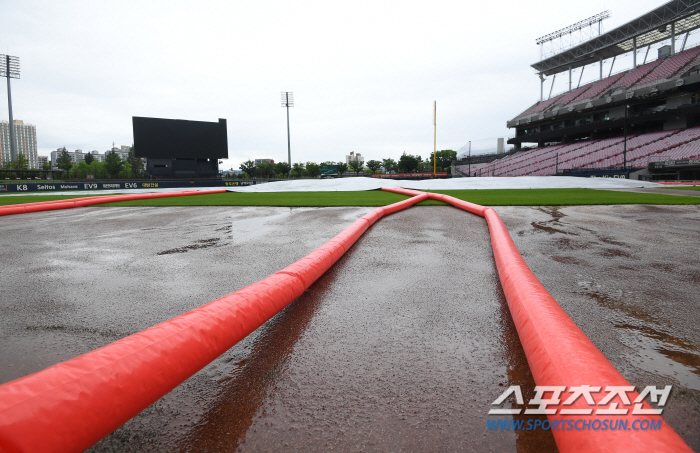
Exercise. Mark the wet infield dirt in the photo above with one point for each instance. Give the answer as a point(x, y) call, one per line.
point(401, 346)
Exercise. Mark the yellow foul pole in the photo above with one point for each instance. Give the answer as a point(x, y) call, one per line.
point(434, 138)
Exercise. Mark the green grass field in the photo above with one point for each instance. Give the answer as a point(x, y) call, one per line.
point(7, 200)
point(504, 197)
point(683, 187)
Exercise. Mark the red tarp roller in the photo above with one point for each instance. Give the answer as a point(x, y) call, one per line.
point(70, 406)
point(558, 351)
point(87, 201)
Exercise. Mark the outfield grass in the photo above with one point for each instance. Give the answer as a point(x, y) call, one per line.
point(563, 197)
point(683, 187)
point(296, 199)
point(6, 200)
point(501, 197)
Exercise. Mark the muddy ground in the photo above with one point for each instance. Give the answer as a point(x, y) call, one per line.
point(403, 345)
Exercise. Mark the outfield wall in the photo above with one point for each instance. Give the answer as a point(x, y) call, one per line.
point(122, 185)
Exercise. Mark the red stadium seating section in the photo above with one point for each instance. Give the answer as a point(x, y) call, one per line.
point(645, 75)
point(596, 154)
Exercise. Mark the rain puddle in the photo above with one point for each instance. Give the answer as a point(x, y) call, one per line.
point(249, 228)
point(656, 350)
point(203, 244)
point(548, 226)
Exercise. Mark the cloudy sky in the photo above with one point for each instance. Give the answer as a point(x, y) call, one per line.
point(364, 73)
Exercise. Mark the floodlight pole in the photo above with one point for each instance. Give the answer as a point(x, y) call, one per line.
point(13, 143)
point(289, 140)
point(288, 101)
point(434, 139)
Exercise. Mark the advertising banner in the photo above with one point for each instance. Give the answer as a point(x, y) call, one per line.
point(118, 185)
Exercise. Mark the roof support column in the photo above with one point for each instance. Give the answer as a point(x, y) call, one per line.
point(673, 38)
point(601, 69)
point(611, 66)
point(581, 76)
point(634, 52)
point(550, 88)
point(569, 78)
point(541, 87)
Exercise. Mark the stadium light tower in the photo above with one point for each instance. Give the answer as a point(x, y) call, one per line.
point(288, 101)
point(568, 37)
point(434, 138)
point(10, 69)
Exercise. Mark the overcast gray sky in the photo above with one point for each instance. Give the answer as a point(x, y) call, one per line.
point(364, 73)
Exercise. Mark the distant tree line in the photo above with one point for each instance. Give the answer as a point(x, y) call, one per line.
point(112, 168)
point(407, 163)
point(133, 167)
point(20, 163)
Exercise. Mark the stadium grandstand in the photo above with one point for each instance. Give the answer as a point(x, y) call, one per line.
point(642, 122)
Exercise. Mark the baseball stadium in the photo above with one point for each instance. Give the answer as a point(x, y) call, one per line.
point(539, 298)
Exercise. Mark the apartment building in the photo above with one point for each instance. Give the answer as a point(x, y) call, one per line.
point(25, 138)
point(76, 156)
point(354, 156)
